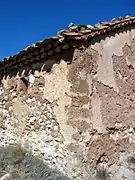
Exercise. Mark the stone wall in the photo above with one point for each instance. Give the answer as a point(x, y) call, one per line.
point(77, 112)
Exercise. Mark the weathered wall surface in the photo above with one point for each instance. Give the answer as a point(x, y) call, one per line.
point(78, 116)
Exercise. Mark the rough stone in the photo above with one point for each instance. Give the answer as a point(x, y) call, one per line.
point(7, 176)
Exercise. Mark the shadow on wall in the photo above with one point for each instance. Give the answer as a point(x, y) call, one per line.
point(21, 165)
point(45, 64)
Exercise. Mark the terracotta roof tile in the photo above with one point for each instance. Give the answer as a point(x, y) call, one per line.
point(57, 43)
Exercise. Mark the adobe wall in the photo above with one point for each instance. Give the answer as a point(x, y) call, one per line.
point(80, 115)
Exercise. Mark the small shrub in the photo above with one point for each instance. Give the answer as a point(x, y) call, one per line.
point(131, 162)
point(131, 159)
point(101, 173)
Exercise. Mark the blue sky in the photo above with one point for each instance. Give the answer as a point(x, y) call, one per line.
point(24, 22)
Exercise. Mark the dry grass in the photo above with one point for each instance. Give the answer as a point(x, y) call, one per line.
point(23, 166)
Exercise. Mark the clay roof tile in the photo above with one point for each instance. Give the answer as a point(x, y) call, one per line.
point(74, 32)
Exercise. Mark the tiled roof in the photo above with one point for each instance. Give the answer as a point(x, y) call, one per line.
point(65, 39)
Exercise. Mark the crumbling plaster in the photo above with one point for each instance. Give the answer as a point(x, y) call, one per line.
point(108, 47)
